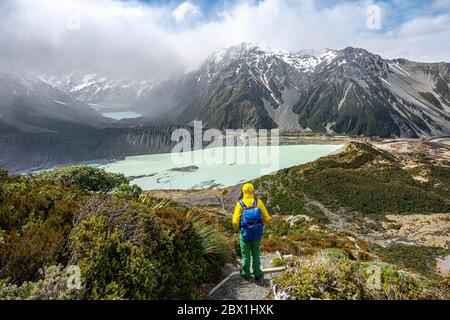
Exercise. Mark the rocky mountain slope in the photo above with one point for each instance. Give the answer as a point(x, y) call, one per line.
point(30, 105)
point(359, 187)
point(100, 92)
point(350, 91)
point(42, 126)
point(32, 151)
point(345, 91)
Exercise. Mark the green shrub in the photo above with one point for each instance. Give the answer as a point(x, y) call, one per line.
point(113, 268)
point(86, 178)
point(277, 262)
point(278, 227)
point(29, 200)
point(52, 285)
point(2, 236)
point(126, 191)
point(331, 275)
point(38, 244)
point(35, 222)
point(132, 251)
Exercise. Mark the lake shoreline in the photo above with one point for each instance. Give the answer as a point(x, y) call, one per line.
point(216, 167)
point(292, 138)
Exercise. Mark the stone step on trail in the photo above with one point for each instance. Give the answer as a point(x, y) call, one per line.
point(235, 287)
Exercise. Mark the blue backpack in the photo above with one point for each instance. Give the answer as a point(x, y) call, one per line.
point(251, 222)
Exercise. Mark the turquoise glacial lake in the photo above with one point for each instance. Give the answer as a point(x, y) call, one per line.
point(122, 115)
point(214, 167)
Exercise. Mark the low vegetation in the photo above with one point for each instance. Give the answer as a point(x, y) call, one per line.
point(128, 245)
point(418, 259)
point(302, 237)
point(86, 178)
point(125, 245)
point(360, 182)
point(331, 274)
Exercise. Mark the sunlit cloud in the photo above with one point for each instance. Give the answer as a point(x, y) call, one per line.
point(185, 11)
point(152, 40)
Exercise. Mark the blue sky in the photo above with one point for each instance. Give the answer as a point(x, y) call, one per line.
point(398, 11)
point(156, 37)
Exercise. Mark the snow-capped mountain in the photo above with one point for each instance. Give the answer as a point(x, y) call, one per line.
point(99, 91)
point(28, 104)
point(345, 91)
point(50, 120)
point(361, 93)
point(348, 91)
point(42, 126)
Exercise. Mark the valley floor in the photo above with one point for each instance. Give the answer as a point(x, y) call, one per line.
point(416, 230)
point(372, 207)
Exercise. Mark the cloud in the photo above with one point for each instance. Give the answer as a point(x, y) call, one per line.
point(441, 4)
point(186, 10)
point(152, 40)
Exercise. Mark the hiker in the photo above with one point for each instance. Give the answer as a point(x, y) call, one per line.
point(250, 215)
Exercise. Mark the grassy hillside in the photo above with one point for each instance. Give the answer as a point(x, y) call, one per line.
point(362, 181)
point(132, 246)
point(356, 189)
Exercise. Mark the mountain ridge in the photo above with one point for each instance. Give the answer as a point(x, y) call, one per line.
point(28, 104)
point(349, 91)
point(252, 86)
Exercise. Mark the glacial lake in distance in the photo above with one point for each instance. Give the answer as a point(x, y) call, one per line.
point(122, 115)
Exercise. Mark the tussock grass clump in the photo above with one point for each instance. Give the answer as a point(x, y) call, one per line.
point(213, 246)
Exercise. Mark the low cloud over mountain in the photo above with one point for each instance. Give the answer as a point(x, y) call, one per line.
point(144, 38)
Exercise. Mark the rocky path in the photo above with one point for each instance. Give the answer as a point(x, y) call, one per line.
point(234, 287)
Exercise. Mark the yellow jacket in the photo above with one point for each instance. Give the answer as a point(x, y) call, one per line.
point(248, 200)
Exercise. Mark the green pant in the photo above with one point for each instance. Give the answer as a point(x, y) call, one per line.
point(247, 248)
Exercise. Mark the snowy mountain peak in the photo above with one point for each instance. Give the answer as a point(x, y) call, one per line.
point(99, 90)
point(349, 91)
point(344, 91)
point(253, 55)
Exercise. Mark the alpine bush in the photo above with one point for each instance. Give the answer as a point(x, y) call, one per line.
point(127, 246)
point(86, 178)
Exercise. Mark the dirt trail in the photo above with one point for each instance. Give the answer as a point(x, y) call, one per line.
point(235, 287)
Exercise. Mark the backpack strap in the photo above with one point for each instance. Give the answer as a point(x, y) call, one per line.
point(255, 204)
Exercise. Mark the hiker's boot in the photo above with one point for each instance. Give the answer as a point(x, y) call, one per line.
point(246, 277)
point(259, 280)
